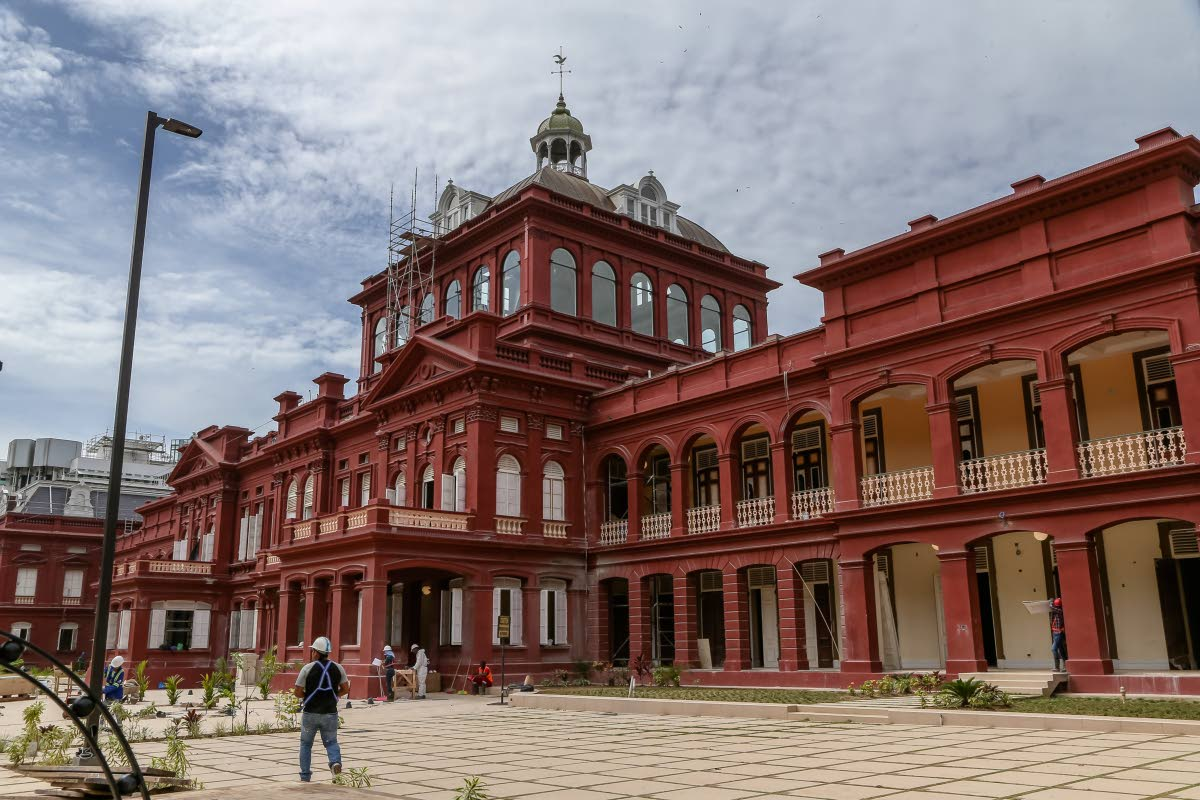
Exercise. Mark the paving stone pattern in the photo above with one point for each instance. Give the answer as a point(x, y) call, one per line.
point(424, 751)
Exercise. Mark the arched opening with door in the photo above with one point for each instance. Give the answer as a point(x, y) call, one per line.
point(704, 485)
point(810, 468)
point(897, 456)
point(819, 591)
point(614, 594)
point(708, 588)
point(755, 491)
point(1000, 443)
point(908, 607)
point(654, 493)
point(660, 595)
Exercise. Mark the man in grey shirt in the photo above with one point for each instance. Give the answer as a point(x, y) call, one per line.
point(319, 685)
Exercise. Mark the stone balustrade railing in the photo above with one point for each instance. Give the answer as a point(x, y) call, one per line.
point(329, 525)
point(1132, 452)
point(180, 567)
point(901, 486)
point(614, 531)
point(704, 519)
point(302, 530)
point(812, 503)
point(754, 512)
point(424, 518)
point(554, 529)
point(1003, 471)
point(23, 600)
point(510, 526)
point(356, 519)
point(656, 526)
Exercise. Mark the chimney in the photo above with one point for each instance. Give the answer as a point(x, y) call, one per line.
point(331, 384)
point(287, 401)
point(1155, 138)
point(1027, 184)
point(921, 223)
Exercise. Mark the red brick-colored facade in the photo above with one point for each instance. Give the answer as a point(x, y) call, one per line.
point(1061, 279)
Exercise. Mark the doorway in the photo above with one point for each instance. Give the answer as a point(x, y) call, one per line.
point(987, 600)
point(662, 619)
point(764, 618)
point(820, 614)
point(618, 621)
point(710, 618)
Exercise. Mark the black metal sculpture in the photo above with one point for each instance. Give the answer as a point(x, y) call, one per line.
point(78, 711)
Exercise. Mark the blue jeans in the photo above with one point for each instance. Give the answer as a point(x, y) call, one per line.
point(327, 724)
point(1058, 647)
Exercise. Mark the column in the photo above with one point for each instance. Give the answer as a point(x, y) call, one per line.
point(285, 608)
point(532, 624)
point(577, 624)
point(1062, 430)
point(481, 466)
point(781, 483)
point(678, 499)
point(793, 655)
point(1187, 387)
point(375, 631)
point(341, 631)
point(860, 641)
point(960, 607)
point(595, 512)
point(531, 483)
point(314, 615)
point(736, 603)
point(598, 618)
point(684, 592)
point(1083, 614)
point(633, 482)
point(639, 620)
point(478, 623)
point(727, 467)
point(943, 441)
point(846, 466)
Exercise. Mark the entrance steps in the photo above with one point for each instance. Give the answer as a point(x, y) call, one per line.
point(1036, 683)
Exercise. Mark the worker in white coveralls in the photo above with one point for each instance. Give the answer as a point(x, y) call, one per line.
point(421, 668)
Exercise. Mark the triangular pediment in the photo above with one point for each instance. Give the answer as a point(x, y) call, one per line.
point(422, 361)
point(196, 457)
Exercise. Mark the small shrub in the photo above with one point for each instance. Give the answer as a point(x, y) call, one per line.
point(268, 668)
point(619, 676)
point(962, 690)
point(113, 752)
point(582, 669)
point(192, 721)
point(141, 678)
point(666, 676)
point(357, 778)
point(472, 789)
point(642, 666)
point(287, 707)
point(208, 685)
point(172, 685)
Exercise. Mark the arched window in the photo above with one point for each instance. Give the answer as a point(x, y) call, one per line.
point(427, 488)
point(454, 300)
point(641, 304)
point(310, 487)
point(649, 193)
point(480, 290)
point(380, 343)
point(710, 324)
point(562, 282)
point(616, 489)
point(677, 314)
point(403, 322)
point(508, 487)
point(400, 491)
point(426, 316)
point(543, 154)
point(604, 293)
point(510, 284)
point(460, 484)
point(293, 499)
point(553, 491)
point(743, 335)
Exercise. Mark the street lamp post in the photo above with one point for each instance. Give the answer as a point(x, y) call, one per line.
point(113, 505)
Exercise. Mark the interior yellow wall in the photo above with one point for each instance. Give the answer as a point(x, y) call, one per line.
point(1110, 396)
point(905, 432)
point(1129, 551)
point(914, 571)
point(1002, 416)
point(1019, 574)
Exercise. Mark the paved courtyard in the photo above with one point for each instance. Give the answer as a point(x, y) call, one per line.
point(425, 750)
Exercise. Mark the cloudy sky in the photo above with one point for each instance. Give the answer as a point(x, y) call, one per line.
point(787, 129)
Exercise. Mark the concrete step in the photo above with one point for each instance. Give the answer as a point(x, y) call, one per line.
point(832, 715)
point(1032, 684)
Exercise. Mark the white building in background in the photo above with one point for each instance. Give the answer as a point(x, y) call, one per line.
point(68, 477)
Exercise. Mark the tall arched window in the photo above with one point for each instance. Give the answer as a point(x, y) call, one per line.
point(380, 343)
point(310, 494)
point(508, 487)
point(510, 284)
point(710, 324)
point(743, 334)
point(400, 491)
point(454, 300)
point(293, 499)
point(553, 491)
point(641, 304)
point(604, 293)
point(403, 323)
point(562, 282)
point(460, 484)
point(677, 314)
point(426, 315)
point(428, 488)
point(481, 290)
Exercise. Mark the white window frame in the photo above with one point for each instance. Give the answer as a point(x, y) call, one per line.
point(516, 610)
point(26, 582)
point(364, 488)
point(451, 613)
point(459, 471)
point(310, 493)
point(293, 498)
point(557, 626)
point(73, 588)
point(23, 629)
point(508, 487)
point(123, 620)
point(554, 431)
point(554, 490)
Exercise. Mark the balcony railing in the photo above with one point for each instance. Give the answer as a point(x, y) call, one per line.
point(180, 567)
point(901, 486)
point(1004, 471)
point(70, 601)
point(329, 525)
point(510, 526)
point(302, 530)
point(703, 519)
point(1132, 452)
point(357, 519)
point(421, 518)
point(757, 511)
point(273, 560)
point(23, 599)
point(614, 531)
point(656, 526)
point(812, 503)
point(554, 530)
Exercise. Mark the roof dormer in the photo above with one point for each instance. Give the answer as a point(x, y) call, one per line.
point(647, 203)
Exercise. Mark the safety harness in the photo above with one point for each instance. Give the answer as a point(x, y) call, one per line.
point(324, 684)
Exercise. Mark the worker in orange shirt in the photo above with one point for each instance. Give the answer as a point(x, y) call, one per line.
point(482, 677)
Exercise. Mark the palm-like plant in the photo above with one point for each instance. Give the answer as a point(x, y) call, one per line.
point(172, 685)
point(963, 689)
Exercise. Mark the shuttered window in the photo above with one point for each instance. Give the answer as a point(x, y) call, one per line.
point(509, 425)
point(293, 499)
point(27, 581)
point(553, 491)
point(554, 431)
point(553, 612)
point(460, 485)
point(506, 601)
point(123, 620)
point(110, 640)
point(364, 489)
point(73, 583)
point(310, 490)
point(508, 487)
point(815, 571)
point(451, 613)
point(458, 426)
point(344, 492)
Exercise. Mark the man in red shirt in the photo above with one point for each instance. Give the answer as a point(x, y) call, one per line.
point(1058, 635)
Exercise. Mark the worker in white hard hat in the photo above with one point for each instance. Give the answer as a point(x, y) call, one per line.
point(319, 685)
point(389, 670)
point(114, 680)
point(420, 667)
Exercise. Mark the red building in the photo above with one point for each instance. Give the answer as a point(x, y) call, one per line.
point(585, 427)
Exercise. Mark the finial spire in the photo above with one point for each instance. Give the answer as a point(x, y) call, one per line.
point(560, 59)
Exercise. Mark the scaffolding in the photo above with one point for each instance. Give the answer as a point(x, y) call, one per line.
point(412, 256)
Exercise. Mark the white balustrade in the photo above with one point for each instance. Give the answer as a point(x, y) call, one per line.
point(614, 531)
point(812, 503)
point(1132, 452)
point(901, 486)
point(328, 526)
point(70, 601)
point(23, 600)
point(554, 530)
point(356, 520)
point(757, 511)
point(510, 526)
point(422, 518)
point(273, 560)
point(180, 567)
point(656, 526)
point(302, 530)
point(1004, 471)
point(704, 519)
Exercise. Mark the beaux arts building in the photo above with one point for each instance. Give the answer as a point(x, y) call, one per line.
point(587, 428)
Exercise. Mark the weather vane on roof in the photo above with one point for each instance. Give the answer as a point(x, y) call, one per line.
point(560, 59)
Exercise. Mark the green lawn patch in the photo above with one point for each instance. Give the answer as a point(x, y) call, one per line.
point(1108, 707)
point(793, 696)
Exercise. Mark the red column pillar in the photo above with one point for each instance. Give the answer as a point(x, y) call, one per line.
point(342, 631)
point(314, 615)
point(285, 610)
point(531, 485)
point(943, 440)
point(727, 467)
point(781, 483)
point(478, 624)
point(578, 634)
point(679, 478)
point(960, 607)
point(595, 513)
point(1187, 386)
point(1087, 638)
point(736, 599)
point(481, 468)
point(846, 468)
point(639, 620)
point(684, 592)
point(532, 623)
point(860, 641)
point(1061, 428)
point(792, 653)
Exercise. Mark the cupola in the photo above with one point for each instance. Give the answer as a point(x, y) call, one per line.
point(561, 143)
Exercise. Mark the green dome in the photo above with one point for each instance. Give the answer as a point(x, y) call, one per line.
point(561, 120)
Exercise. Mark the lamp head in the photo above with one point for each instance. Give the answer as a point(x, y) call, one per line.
point(182, 128)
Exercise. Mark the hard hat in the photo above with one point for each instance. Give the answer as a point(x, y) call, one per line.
point(118, 661)
point(1058, 602)
point(415, 647)
point(322, 645)
point(387, 648)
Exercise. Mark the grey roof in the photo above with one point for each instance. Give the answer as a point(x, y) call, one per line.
point(586, 192)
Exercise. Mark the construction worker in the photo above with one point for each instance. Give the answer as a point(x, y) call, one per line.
point(421, 668)
point(1058, 635)
point(319, 685)
point(482, 678)
point(114, 680)
point(389, 670)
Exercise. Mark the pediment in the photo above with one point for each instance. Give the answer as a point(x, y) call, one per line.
point(197, 457)
point(422, 361)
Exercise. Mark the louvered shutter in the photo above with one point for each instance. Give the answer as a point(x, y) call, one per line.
point(292, 499)
point(200, 619)
point(706, 458)
point(545, 628)
point(1158, 369)
point(258, 519)
point(344, 492)
point(460, 486)
point(390, 494)
point(560, 614)
point(235, 629)
point(110, 641)
point(447, 492)
point(158, 627)
point(365, 489)
point(870, 425)
point(206, 546)
point(123, 629)
point(309, 494)
point(518, 616)
point(456, 610)
point(807, 438)
point(496, 607)
point(446, 615)
point(1184, 543)
point(401, 490)
point(815, 571)
point(251, 637)
point(755, 449)
point(243, 536)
